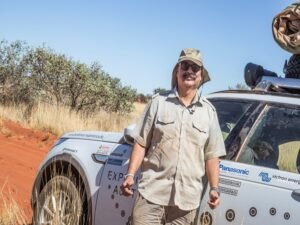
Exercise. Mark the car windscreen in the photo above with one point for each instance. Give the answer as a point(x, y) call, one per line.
point(274, 141)
point(229, 113)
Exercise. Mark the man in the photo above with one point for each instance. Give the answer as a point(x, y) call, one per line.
point(177, 138)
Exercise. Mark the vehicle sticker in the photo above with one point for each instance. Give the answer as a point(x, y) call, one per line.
point(228, 191)
point(116, 154)
point(252, 211)
point(86, 135)
point(114, 176)
point(265, 177)
point(104, 149)
point(230, 182)
point(206, 218)
point(116, 162)
point(224, 168)
point(117, 191)
point(272, 211)
point(280, 178)
point(286, 216)
point(230, 215)
point(294, 180)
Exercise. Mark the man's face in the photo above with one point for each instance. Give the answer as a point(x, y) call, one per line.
point(189, 75)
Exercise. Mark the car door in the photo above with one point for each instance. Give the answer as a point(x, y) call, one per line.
point(112, 206)
point(262, 185)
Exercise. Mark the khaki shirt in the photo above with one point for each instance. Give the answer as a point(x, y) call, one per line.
point(178, 140)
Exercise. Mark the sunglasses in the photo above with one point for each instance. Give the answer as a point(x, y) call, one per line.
point(185, 66)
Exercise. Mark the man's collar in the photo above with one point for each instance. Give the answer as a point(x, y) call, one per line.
point(174, 94)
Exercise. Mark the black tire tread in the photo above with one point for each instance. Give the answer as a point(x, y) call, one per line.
point(292, 67)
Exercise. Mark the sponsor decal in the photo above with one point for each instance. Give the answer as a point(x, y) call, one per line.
point(104, 149)
point(286, 216)
point(116, 154)
point(272, 211)
point(206, 218)
point(294, 180)
point(115, 162)
point(280, 178)
point(286, 179)
point(233, 170)
point(115, 176)
point(86, 135)
point(230, 215)
point(228, 191)
point(265, 177)
point(116, 179)
point(253, 211)
point(230, 182)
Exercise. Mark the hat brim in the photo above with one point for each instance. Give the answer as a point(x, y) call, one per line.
point(205, 75)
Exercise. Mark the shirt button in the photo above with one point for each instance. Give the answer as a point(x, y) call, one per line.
point(171, 178)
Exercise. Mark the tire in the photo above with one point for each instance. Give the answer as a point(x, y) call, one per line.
point(59, 203)
point(292, 67)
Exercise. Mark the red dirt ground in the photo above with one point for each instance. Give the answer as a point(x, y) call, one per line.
point(21, 152)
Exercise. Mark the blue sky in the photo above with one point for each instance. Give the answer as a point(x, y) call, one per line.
point(139, 41)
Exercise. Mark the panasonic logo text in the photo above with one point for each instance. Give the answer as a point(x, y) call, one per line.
point(234, 170)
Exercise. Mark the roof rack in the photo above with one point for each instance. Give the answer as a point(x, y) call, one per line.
point(260, 79)
point(278, 84)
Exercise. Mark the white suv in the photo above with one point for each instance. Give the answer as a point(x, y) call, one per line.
point(79, 180)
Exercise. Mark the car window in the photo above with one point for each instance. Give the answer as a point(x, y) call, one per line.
point(229, 114)
point(274, 141)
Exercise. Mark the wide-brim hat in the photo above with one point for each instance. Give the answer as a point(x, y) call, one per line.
point(194, 55)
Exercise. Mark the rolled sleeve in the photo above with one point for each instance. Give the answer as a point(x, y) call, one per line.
point(215, 145)
point(142, 133)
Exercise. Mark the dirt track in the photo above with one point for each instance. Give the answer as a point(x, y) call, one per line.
point(21, 152)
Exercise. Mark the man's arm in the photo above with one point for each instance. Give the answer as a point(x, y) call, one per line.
point(212, 171)
point(136, 159)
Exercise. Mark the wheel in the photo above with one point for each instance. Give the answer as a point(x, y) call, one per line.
point(59, 203)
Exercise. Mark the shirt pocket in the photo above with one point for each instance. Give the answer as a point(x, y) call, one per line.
point(165, 127)
point(198, 134)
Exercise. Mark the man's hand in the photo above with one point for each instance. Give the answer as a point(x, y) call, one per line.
point(136, 159)
point(214, 199)
point(212, 171)
point(126, 186)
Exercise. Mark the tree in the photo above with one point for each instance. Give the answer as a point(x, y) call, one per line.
point(158, 90)
point(142, 98)
point(41, 74)
point(48, 72)
point(239, 86)
point(14, 86)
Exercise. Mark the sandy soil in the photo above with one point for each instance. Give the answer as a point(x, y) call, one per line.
point(21, 152)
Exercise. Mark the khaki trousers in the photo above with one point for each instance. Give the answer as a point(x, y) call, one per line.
point(148, 213)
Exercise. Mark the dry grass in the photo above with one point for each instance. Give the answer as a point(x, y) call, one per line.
point(62, 198)
point(287, 159)
point(59, 120)
point(10, 211)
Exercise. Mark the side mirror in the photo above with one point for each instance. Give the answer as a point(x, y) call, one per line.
point(128, 134)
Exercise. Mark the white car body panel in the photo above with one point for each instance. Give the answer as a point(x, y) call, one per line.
point(255, 195)
point(104, 161)
point(258, 97)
